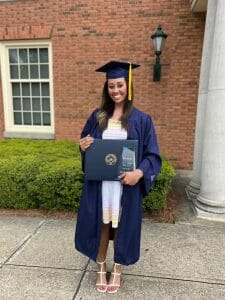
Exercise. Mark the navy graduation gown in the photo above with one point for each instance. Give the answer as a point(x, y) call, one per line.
point(89, 217)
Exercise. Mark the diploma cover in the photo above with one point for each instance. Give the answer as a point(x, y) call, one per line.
point(108, 159)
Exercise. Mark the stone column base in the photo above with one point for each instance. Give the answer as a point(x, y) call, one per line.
point(192, 190)
point(213, 213)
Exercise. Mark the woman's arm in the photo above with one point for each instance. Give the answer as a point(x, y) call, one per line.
point(150, 163)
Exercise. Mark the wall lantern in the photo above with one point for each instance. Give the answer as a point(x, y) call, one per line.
point(158, 40)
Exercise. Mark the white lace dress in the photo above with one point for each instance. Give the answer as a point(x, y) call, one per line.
point(112, 190)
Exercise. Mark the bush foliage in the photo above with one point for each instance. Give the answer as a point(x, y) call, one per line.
point(48, 175)
point(156, 199)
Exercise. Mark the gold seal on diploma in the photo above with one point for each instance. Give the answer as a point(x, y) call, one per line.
point(110, 159)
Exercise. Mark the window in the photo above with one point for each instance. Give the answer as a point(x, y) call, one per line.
point(31, 99)
point(27, 89)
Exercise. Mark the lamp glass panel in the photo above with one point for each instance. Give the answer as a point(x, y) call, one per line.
point(158, 43)
point(162, 43)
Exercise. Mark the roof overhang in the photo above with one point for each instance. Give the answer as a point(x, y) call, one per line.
point(198, 5)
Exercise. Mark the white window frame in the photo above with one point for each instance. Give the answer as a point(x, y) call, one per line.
point(29, 131)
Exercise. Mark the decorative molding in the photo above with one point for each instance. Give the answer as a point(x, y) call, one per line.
point(25, 32)
point(198, 5)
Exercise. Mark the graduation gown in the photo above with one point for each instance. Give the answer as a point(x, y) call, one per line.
point(89, 217)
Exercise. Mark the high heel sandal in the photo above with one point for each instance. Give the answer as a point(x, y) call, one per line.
point(113, 284)
point(101, 287)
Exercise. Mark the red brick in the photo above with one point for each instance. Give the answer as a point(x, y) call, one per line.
point(86, 34)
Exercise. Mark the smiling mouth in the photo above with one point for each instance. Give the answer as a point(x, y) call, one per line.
point(117, 96)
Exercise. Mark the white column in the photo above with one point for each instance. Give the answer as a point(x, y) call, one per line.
point(194, 186)
point(210, 202)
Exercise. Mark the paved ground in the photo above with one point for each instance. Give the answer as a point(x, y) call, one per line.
point(185, 260)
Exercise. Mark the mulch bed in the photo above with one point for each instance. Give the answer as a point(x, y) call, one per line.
point(167, 215)
point(37, 213)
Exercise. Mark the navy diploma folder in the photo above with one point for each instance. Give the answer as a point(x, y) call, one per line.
point(108, 159)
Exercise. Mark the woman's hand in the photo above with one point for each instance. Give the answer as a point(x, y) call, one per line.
point(86, 142)
point(131, 178)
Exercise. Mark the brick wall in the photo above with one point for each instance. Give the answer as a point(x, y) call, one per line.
point(86, 34)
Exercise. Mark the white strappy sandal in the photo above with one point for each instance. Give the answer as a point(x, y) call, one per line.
point(101, 287)
point(113, 284)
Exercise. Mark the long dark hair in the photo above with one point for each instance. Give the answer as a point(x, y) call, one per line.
point(107, 108)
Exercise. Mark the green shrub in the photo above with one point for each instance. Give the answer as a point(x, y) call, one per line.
point(40, 174)
point(15, 174)
point(58, 186)
point(156, 199)
point(48, 175)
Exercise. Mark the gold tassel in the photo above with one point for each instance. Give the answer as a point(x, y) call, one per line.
point(129, 83)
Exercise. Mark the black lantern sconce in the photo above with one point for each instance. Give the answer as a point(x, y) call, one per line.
point(158, 40)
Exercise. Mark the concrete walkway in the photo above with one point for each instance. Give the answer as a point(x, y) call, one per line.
point(185, 260)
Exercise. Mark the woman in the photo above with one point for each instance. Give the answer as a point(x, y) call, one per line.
point(114, 208)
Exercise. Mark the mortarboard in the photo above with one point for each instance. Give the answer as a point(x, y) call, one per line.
point(117, 69)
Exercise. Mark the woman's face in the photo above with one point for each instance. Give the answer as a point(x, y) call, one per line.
point(117, 90)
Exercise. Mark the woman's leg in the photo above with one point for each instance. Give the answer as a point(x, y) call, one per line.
point(104, 242)
point(114, 282)
point(101, 257)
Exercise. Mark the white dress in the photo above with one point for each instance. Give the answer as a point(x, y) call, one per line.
point(112, 190)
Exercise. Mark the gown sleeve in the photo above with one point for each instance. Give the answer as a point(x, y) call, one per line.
point(151, 161)
point(89, 127)
point(90, 124)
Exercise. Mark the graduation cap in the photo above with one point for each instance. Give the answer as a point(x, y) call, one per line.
point(118, 69)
